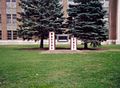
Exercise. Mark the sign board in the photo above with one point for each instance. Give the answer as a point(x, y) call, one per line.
point(62, 37)
point(73, 43)
point(51, 41)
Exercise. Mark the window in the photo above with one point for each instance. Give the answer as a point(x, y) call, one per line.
point(8, 18)
point(14, 35)
point(11, 21)
point(10, 0)
point(13, 0)
point(11, 35)
point(7, 0)
point(0, 34)
point(14, 18)
point(11, 4)
point(0, 18)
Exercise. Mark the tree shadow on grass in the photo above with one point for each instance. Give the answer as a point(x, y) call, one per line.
point(2, 81)
point(42, 49)
point(34, 49)
point(62, 48)
point(115, 80)
point(91, 49)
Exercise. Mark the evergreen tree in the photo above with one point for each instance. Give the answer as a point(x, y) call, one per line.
point(38, 18)
point(86, 21)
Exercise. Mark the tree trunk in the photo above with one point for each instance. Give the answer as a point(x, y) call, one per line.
point(85, 45)
point(42, 42)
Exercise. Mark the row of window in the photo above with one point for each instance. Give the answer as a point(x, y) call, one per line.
point(11, 35)
point(11, 18)
point(10, 0)
point(0, 35)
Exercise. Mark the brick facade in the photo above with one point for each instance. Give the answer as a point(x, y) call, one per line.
point(5, 28)
point(3, 20)
point(113, 21)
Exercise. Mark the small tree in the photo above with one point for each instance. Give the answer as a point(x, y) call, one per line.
point(38, 18)
point(86, 19)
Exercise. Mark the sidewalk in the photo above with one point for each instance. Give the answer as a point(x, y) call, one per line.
point(17, 42)
point(21, 42)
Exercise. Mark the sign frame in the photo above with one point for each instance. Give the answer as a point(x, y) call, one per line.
point(62, 35)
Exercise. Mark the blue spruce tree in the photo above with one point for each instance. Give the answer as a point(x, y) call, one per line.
point(38, 18)
point(86, 21)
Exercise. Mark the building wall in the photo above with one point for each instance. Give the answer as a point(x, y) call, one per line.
point(8, 20)
point(113, 21)
point(118, 22)
point(3, 20)
point(9, 9)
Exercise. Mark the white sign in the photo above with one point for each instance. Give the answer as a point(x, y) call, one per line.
point(51, 41)
point(62, 37)
point(73, 43)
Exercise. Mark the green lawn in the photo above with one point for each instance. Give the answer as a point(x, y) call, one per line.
point(31, 69)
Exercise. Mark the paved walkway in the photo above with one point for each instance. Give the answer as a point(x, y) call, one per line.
point(21, 42)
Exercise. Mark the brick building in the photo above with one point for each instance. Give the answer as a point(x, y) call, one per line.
point(9, 9)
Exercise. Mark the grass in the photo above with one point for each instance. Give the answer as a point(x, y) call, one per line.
point(32, 69)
